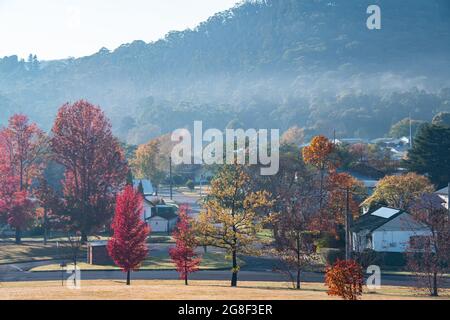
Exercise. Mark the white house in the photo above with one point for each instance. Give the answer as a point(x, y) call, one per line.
point(443, 194)
point(386, 230)
point(162, 219)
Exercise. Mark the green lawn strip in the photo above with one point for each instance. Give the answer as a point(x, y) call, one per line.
point(157, 261)
point(404, 273)
point(266, 235)
point(39, 239)
point(30, 252)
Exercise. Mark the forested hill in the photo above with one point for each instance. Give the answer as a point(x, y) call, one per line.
point(299, 61)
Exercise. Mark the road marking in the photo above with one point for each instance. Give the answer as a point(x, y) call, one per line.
point(16, 267)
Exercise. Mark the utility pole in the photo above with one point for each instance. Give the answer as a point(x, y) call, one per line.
point(170, 177)
point(448, 199)
point(410, 132)
point(347, 225)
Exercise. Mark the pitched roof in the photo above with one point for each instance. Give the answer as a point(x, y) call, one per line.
point(162, 211)
point(443, 191)
point(165, 215)
point(376, 218)
point(146, 184)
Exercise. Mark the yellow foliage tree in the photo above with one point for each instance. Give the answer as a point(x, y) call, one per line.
point(230, 219)
point(146, 164)
point(400, 192)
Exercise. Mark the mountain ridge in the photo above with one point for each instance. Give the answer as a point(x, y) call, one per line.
point(244, 59)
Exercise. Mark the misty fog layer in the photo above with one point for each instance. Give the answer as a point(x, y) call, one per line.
point(263, 64)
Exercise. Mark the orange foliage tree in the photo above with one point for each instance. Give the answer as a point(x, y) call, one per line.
point(345, 279)
point(320, 154)
point(337, 185)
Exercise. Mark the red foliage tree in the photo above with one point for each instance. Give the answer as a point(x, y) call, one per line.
point(95, 165)
point(16, 208)
point(183, 254)
point(23, 147)
point(345, 279)
point(128, 247)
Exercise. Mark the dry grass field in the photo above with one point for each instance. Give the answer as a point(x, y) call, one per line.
point(197, 290)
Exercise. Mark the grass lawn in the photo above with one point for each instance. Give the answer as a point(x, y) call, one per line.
point(156, 237)
point(197, 290)
point(266, 235)
point(33, 251)
point(157, 261)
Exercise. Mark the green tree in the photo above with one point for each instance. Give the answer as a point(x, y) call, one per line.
point(400, 191)
point(146, 164)
point(401, 128)
point(431, 154)
point(190, 184)
point(442, 119)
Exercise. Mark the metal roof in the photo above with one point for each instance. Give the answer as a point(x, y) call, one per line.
point(376, 218)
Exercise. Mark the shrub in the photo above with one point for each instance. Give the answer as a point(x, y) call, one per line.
point(368, 257)
point(331, 255)
point(328, 240)
point(394, 259)
point(190, 184)
point(345, 279)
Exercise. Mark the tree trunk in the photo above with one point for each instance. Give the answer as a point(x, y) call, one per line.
point(18, 235)
point(235, 271)
point(186, 279)
point(298, 279)
point(84, 237)
point(75, 270)
point(128, 277)
point(45, 227)
point(435, 285)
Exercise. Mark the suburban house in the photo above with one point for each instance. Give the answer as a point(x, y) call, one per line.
point(386, 229)
point(163, 218)
point(146, 185)
point(443, 194)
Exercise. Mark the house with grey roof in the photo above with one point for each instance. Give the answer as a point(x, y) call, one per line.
point(146, 186)
point(386, 229)
point(163, 218)
point(443, 194)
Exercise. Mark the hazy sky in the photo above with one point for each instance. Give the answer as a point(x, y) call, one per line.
point(55, 29)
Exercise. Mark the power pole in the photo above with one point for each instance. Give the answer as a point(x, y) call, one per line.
point(347, 225)
point(410, 132)
point(170, 177)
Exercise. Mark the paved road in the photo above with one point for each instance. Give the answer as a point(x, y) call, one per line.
point(191, 200)
point(172, 275)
